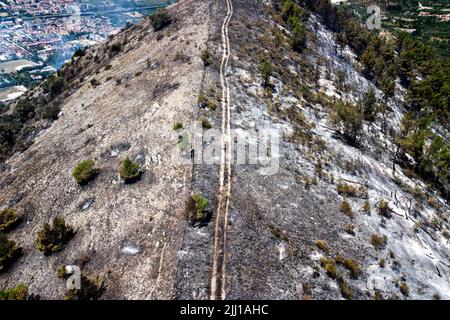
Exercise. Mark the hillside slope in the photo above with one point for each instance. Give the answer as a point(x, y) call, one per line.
point(145, 90)
point(335, 220)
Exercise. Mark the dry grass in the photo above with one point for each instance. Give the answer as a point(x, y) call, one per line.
point(329, 266)
point(384, 209)
point(346, 190)
point(379, 242)
point(404, 289)
point(322, 244)
point(366, 207)
point(350, 229)
point(346, 209)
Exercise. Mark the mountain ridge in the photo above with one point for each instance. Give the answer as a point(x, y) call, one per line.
point(339, 219)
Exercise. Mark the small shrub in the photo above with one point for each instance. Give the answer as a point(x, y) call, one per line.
point(90, 289)
point(19, 292)
point(382, 262)
point(329, 266)
point(366, 207)
point(306, 288)
point(160, 19)
point(347, 209)
point(346, 190)
point(177, 126)
point(353, 266)
point(114, 49)
point(404, 289)
point(79, 52)
point(206, 58)
point(129, 171)
point(84, 172)
point(350, 229)
point(434, 203)
point(322, 244)
point(205, 123)
point(202, 100)
point(212, 104)
point(379, 242)
point(384, 209)
point(391, 254)
point(55, 85)
point(197, 208)
point(8, 219)
point(348, 120)
point(62, 273)
point(9, 252)
point(51, 239)
point(345, 289)
point(266, 72)
point(94, 83)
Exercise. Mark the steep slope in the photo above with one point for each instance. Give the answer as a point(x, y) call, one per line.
point(307, 228)
point(277, 220)
point(151, 84)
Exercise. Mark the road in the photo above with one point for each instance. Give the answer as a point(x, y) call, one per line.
point(218, 274)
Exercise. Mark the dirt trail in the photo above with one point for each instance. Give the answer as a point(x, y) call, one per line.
point(218, 276)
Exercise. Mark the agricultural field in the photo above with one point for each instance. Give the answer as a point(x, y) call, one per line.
point(429, 20)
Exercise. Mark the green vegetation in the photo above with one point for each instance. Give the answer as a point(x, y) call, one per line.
point(79, 52)
point(84, 172)
point(204, 102)
point(19, 292)
point(51, 239)
point(94, 83)
point(266, 72)
point(196, 207)
point(62, 273)
point(419, 67)
point(370, 106)
point(54, 85)
point(430, 151)
point(160, 19)
point(348, 120)
point(9, 252)
point(205, 123)
point(114, 49)
point(177, 125)
point(8, 219)
point(294, 15)
point(206, 58)
point(91, 289)
point(129, 171)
